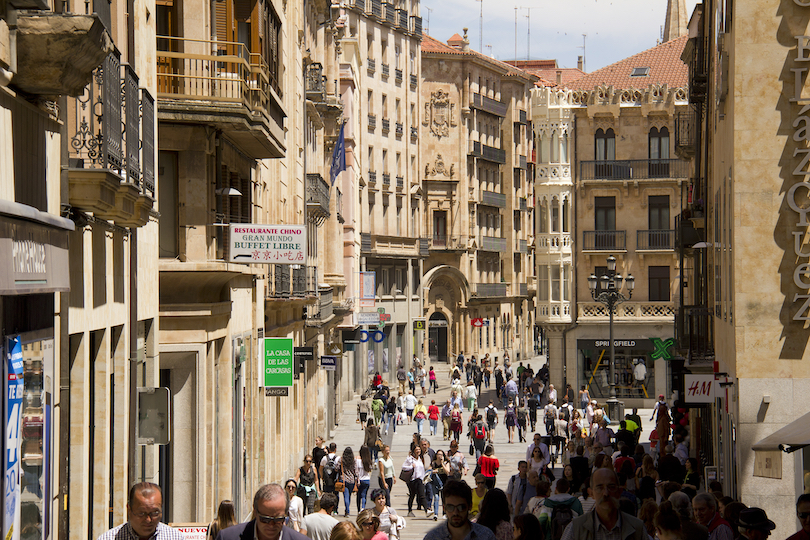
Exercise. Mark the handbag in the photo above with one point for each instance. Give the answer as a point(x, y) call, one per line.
point(472, 449)
point(379, 444)
point(405, 475)
point(339, 486)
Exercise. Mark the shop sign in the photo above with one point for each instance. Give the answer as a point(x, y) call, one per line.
point(36, 258)
point(419, 324)
point(437, 324)
point(277, 362)
point(13, 429)
point(329, 363)
point(302, 354)
point(700, 388)
point(635, 344)
point(477, 322)
point(365, 317)
point(267, 244)
point(193, 532)
point(368, 286)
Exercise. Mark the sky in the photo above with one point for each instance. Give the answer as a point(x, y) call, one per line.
point(615, 29)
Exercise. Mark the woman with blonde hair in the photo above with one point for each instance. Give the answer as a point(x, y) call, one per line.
point(345, 530)
point(226, 517)
point(419, 414)
point(369, 526)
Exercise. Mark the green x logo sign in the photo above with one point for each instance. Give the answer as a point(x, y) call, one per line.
point(662, 348)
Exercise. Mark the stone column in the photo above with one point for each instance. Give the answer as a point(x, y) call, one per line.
point(554, 355)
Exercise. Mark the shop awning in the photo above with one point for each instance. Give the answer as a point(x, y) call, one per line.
point(790, 438)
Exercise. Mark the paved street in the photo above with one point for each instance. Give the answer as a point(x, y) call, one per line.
point(349, 434)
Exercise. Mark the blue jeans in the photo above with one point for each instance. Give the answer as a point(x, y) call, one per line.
point(419, 422)
point(391, 417)
point(434, 424)
point(362, 490)
point(347, 495)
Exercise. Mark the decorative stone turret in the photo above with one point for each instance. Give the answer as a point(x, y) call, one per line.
point(675, 25)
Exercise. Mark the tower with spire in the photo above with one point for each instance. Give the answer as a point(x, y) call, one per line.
point(675, 25)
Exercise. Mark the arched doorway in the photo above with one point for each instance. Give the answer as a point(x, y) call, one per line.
point(437, 337)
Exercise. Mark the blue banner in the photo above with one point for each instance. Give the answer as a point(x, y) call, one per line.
point(338, 158)
point(15, 383)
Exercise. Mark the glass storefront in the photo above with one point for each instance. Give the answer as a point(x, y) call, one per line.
point(635, 368)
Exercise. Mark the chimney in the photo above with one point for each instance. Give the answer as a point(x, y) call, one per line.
point(579, 62)
point(559, 77)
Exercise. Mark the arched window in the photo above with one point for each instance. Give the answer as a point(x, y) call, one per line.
point(659, 153)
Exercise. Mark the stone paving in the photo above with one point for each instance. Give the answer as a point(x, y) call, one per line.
point(349, 433)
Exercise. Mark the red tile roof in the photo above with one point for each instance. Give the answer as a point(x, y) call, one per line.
point(664, 61)
point(434, 46)
point(547, 70)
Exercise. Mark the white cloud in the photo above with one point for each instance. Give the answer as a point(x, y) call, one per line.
point(615, 29)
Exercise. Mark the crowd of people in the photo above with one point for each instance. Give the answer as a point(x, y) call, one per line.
point(580, 480)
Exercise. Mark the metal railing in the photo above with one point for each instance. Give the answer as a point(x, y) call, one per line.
point(371, 65)
point(414, 81)
point(694, 329)
point(414, 132)
point(685, 135)
point(522, 204)
point(493, 244)
point(490, 198)
point(522, 162)
point(316, 83)
point(399, 129)
point(444, 242)
point(489, 153)
point(634, 169)
point(604, 240)
point(324, 309)
point(386, 125)
point(372, 177)
point(132, 125)
point(523, 246)
point(386, 179)
point(400, 183)
point(490, 290)
point(523, 117)
point(376, 9)
point(663, 239)
point(339, 205)
point(386, 70)
point(398, 76)
point(317, 196)
point(218, 71)
point(416, 25)
point(402, 19)
point(389, 13)
point(523, 289)
point(487, 104)
point(372, 121)
point(148, 140)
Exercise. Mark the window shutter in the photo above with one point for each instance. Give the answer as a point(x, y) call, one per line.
point(221, 20)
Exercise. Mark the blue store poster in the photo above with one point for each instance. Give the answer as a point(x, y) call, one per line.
point(13, 430)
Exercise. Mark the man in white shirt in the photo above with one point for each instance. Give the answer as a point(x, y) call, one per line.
point(319, 525)
point(410, 405)
point(552, 393)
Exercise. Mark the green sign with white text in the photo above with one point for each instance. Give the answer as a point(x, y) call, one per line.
point(277, 362)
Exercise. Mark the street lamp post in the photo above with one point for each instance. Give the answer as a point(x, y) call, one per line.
point(611, 296)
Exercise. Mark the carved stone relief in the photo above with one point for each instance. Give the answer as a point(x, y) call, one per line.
point(440, 168)
point(440, 114)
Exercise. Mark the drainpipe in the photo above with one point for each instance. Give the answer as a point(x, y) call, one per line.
point(133, 353)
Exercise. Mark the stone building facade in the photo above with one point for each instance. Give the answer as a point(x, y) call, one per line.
point(478, 201)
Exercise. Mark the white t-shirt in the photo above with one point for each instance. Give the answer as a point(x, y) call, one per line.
point(319, 526)
point(296, 511)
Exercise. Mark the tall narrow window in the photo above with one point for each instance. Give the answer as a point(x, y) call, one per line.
point(658, 217)
point(605, 152)
point(555, 215)
point(555, 148)
point(658, 283)
point(605, 222)
point(566, 215)
point(439, 228)
point(564, 149)
point(659, 153)
point(555, 283)
point(542, 283)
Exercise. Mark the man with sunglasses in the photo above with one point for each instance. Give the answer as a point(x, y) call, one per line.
point(270, 507)
point(144, 510)
point(803, 513)
point(457, 497)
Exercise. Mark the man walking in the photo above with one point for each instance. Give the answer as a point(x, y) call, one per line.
point(605, 520)
point(705, 507)
point(328, 470)
point(754, 524)
point(144, 510)
point(516, 487)
point(445, 417)
point(492, 419)
point(270, 506)
point(803, 513)
point(457, 498)
point(319, 525)
point(402, 377)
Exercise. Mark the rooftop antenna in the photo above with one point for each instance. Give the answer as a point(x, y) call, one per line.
point(427, 26)
point(529, 32)
point(481, 27)
point(584, 37)
point(488, 46)
point(516, 13)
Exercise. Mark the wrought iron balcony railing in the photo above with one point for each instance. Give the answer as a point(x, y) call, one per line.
point(522, 204)
point(372, 121)
point(372, 177)
point(442, 242)
point(400, 183)
point(604, 240)
point(414, 133)
point(316, 83)
point(386, 179)
point(655, 240)
point(493, 243)
point(413, 80)
point(522, 162)
point(491, 290)
point(386, 70)
point(376, 9)
point(399, 129)
point(371, 65)
point(402, 19)
point(489, 153)
point(634, 169)
point(487, 104)
point(317, 197)
point(386, 125)
point(416, 25)
point(523, 246)
point(694, 330)
point(685, 134)
point(398, 76)
point(389, 13)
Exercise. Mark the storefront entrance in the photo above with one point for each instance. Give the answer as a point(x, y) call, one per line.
point(437, 337)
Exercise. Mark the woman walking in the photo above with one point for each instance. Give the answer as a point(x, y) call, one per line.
point(470, 395)
point(348, 475)
point(295, 512)
point(388, 517)
point(307, 479)
point(510, 419)
point(489, 466)
point(226, 516)
point(416, 485)
point(386, 466)
point(391, 408)
point(440, 470)
point(364, 467)
point(584, 398)
point(494, 514)
point(433, 417)
point(420, 413)
point(455, 422)
point(370, 438)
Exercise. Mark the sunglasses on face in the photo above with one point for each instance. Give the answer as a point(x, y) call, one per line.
point(453, 508)
point(368, 524)
point(803, 515)
point(267, 519)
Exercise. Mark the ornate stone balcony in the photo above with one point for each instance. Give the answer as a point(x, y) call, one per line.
point(554, 242)
point(629, 311)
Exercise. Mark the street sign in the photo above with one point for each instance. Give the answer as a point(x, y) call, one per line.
point(419, 324)
point(334, 349)
point(329, 363)
point(154, 416)
point(277, 391)
point(276, 362)
point(269, 244)
point(477, 322)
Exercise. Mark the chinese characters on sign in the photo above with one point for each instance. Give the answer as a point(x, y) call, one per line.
point(271, 244)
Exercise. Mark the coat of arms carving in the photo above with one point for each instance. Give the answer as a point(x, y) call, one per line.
point(440, 113)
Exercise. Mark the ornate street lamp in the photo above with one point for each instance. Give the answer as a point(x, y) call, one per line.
point(611, 296)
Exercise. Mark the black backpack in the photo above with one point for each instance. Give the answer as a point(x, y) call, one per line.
point(561, 516)
point(329, 470)
point(491, 415)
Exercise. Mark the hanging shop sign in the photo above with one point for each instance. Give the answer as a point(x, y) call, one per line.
point(437, 324)
point(277, 363)
point(368, 286)
point(329, 363)
point(268, 244)
point(365, 317)
point(700, 388)
point(14, 388)
point(419, 324)
point(477, 322)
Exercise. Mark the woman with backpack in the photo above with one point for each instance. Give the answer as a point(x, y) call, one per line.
point(371, 437)
point(456, 422)
point(510, 419)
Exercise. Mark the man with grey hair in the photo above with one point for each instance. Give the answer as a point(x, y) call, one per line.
point(270, 505)
point(144, 510)
point(705, 508)
point(683, 507)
